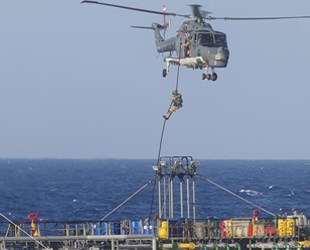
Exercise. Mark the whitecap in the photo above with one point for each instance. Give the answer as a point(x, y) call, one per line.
point(75, 200)
point(212, 217)
point(271, 187)
point(250, 192)
point(291, 193)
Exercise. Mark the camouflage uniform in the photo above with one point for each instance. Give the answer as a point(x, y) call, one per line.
point(177, 103)
point(187, 46)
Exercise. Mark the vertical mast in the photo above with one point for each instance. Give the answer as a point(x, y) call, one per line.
point(166, 171)
point(187, 189)
point(181, 197)
point(159, 197)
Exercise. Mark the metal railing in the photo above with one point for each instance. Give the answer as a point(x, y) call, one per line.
point(234, 228)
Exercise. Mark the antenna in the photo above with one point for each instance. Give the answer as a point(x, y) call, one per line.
point(164, 10)
point(166, 24)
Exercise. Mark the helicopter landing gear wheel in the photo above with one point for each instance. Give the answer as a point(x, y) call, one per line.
point(205, 75)
point(213, 77)
point(164, 72)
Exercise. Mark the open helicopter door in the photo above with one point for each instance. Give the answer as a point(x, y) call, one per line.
point(194, 45)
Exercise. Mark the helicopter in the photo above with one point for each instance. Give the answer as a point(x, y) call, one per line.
point(197, 44)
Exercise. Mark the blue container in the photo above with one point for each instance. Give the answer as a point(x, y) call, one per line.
point(104, 226)
point(94, 228)
point(135, 227)
point(116, 228)
point(97, 228)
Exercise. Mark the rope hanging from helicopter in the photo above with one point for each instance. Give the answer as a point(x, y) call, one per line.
point(160, 145)
point(163, 129)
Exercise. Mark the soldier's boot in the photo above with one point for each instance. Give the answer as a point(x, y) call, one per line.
point(167, 116)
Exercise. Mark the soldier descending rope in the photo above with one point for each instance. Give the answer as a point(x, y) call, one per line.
point(177, 103)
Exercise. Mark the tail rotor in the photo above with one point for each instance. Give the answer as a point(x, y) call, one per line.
point(166, 24)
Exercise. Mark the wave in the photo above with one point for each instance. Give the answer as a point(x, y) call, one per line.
point(250, 192)
point(292, 193)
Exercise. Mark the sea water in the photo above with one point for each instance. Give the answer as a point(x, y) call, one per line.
point(80, 189)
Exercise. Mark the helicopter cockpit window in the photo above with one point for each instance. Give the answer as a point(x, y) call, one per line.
point(220, 40)
point(205, 39)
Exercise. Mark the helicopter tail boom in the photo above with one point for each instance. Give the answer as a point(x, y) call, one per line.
point(162, 44)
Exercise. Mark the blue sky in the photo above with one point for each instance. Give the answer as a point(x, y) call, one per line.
point(77, 82)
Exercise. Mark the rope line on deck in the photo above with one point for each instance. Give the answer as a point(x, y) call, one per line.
point(236, 195)
point(129, 198)
point(23, 231)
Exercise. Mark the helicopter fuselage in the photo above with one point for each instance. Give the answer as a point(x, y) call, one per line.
point(196, 45)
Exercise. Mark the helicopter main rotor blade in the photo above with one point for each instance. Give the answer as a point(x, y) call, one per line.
point(142, 27)
point(254, 18)
point(137, 9)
